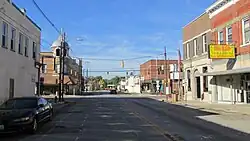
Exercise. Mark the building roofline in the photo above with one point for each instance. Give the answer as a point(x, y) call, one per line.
point(213, 4)
point(26, 16)
point(194, 19)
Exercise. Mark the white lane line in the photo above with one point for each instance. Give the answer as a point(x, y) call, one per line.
point(77, 138)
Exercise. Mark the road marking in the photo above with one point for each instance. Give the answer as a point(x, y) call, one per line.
point(77, 138)
point(164, 133)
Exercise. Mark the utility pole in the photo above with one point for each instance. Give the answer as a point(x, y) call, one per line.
point(80, 75)
point(166, 64)
point(63, 62)
point(61, 67)
point(39, 65)
point(83, 81)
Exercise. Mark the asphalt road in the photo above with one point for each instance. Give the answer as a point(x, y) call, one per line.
point(115, 118)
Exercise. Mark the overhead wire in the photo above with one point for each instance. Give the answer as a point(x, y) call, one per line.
point(46, 17)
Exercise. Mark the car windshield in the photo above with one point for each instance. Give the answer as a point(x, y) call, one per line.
point(19, 104)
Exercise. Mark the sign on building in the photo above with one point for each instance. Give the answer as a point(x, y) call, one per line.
point(217, 51)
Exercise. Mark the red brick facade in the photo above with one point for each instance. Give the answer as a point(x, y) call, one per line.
point(232, 16)
point(149, 71)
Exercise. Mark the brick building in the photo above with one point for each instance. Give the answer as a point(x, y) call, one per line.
point(51, 68)
point(230, 24)
point(154, 70)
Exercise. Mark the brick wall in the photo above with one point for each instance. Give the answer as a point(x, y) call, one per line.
point(149, 70)
point(233, 16)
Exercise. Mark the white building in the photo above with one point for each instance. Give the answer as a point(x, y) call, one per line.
point(19, 49)
point(131, 84)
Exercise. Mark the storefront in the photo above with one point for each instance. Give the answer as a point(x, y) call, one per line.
point(231, 86)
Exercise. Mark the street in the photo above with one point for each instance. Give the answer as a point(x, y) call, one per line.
point(114, 118)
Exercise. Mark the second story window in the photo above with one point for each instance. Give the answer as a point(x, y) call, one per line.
point(26, 47)
point(204, 43)
point(221, 37)
point(189, 80)
point(44, 68)
point(246, 30)
point(34, 50)
point(188, 55)
point(229, 35)
point(195, 47)
point(20, 44)
point(13, 39)
point(57, 69)
point(5, 35)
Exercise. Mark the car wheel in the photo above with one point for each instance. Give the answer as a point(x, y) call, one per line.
point(33, 127)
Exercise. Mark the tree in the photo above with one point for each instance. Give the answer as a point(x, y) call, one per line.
point(115, 81)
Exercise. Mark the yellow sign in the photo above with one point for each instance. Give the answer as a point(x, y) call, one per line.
point(221, 51)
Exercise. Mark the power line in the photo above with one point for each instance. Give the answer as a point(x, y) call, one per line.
point(121, 59)
point(112, 70)
point(52, 24)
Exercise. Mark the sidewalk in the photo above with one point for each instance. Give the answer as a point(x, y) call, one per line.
point(242, 109)
point(227, 115)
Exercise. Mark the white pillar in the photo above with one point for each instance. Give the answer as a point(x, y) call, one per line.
point(214, 89)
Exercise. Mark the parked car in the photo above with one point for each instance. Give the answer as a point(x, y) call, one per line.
point(24, 113)
point(113, 91)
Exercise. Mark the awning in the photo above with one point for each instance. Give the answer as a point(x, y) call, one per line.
point(228, 72)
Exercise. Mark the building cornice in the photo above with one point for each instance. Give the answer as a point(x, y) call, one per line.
point(219, 6)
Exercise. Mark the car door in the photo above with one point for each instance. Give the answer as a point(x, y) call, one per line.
point(41, 111)
point(46, 108)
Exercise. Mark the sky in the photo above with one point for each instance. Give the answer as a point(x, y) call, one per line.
point(119, 29)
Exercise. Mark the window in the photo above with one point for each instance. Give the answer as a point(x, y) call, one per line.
point(189, 80)
point(45, 102)
point(57, 68)
point(188, 50)
point(195, 47)
point(34, 50)
point(44, 68)
point(159, 71)
point(13, 39)
point(246, 30)
point(40, 101)
point(5, 35)
point(205, 80)
point(26, 46)
point(229, 35)
point(58, 52)
point(20, 44)
point(221, 37)
point(204, 43)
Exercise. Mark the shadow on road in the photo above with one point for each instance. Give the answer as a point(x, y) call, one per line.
point(190, 116)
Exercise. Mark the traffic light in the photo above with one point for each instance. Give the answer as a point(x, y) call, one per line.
point(122, 64)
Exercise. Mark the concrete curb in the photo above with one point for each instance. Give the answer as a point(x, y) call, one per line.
point(215, 110)
point(58, 107)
